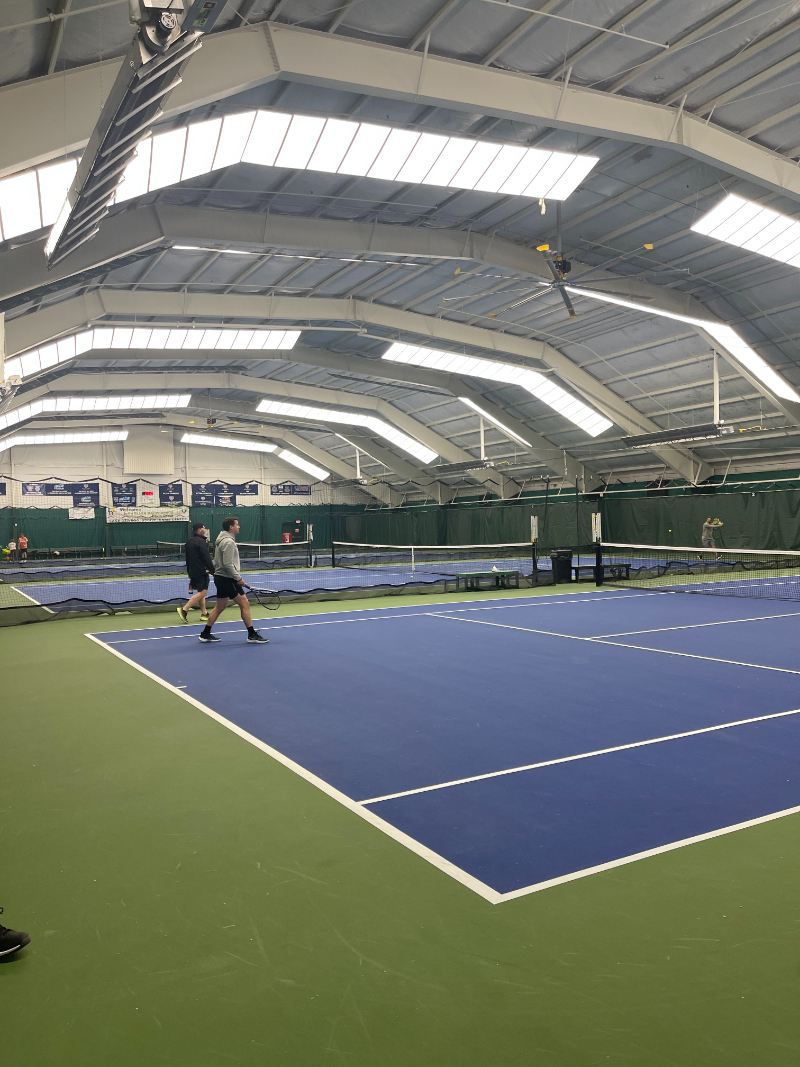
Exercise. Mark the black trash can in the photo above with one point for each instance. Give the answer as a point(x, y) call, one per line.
point(561, 563)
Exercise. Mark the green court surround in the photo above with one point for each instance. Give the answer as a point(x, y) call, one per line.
point(193, 903)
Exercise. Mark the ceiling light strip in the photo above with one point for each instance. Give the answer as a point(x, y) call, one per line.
point(149, 339)
point(69, 404)
point(63, 438)
point(536, 384)
point(351, 418)
point(256, 446)
point(725, 335)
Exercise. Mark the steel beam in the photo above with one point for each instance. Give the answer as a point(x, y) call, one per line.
point(47, 117)
point(30, 330)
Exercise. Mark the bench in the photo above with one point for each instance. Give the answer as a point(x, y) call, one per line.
point(502, 579)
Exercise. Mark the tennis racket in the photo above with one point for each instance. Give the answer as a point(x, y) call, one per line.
point(267, 598)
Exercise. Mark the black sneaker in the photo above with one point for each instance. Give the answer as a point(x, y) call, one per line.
point(11, 940)
point(257, 639)
point(209, 637)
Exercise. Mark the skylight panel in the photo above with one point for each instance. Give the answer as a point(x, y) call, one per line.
point(423, 156)
point(63, 438)
point(19, 204)
point(364, 149)
point(449, 161)
point(728, 338)
point(167, 158)
point(123, 337)
point(333, 145)
point(752, 226)
point(304, 465)
point(54, 181)
point(266, 138)
point(136, 176)
point(351, 418)
point(233, 138)
point(549, 176)
point(392, 157)
point(536, 384)
point(475, 165)
point(300, 142)
point(201, 146)
point(507, 159)
point(228, 442)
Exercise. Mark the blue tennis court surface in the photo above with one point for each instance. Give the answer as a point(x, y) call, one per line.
point(523, 742)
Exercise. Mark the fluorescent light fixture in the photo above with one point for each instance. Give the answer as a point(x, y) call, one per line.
point(682, 433)
point(63, 438)
point(351, 418)
point(256, 446)
point(726, 336)
point(69, 404)
point(536, 384)
point(747, 225)
point(151, 338)
point(463, 468)
point(228, 442)
point(304, 465)
point(494, 421)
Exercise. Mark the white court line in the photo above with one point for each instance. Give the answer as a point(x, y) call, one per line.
point(417, 847)
point(36, 602)
point(621, 644)
point(580, 755)
point(611, 594)
point(647, 854)
point(399, 614)
point(697, 625)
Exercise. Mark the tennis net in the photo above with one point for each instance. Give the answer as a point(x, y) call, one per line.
point(436, 559)
point(282, 554)
point(768, 573)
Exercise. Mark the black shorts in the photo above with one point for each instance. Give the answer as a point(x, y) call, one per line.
point(199, 582)
point(227, 587)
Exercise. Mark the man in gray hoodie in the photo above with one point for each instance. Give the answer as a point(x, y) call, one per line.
point(229, 583)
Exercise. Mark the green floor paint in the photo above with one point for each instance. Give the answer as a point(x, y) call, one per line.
point(194, 903)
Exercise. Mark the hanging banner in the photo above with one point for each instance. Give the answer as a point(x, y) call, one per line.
point(84, 494)
point(203, 496)
point(123, 494)
point(290, 489)
point(144, 514)
point(221, 494)
point(170, 494)
point(81, 513)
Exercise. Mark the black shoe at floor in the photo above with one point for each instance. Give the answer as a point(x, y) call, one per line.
point(11, 941)
point(256, 638)
point(209, 637)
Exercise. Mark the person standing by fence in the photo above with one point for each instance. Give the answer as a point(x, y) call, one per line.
point(22, 544)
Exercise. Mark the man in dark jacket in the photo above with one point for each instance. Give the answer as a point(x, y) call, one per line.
point(200, 566)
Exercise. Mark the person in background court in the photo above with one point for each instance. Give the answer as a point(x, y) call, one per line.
point(710, 526)
point(12, 550)
point(22, 542)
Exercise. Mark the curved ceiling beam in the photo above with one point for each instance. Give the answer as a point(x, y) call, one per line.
point(236, 60)
point(34, 329)
point(119, 380)
point(23, 270)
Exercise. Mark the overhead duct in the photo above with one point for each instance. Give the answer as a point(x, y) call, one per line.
point(165, 41)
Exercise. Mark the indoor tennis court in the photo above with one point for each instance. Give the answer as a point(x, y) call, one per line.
point(399, 533)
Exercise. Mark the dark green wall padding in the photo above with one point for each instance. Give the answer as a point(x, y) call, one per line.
point(754, 519)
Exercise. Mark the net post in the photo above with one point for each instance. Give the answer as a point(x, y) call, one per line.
point(598, 563)
point(333, 553)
